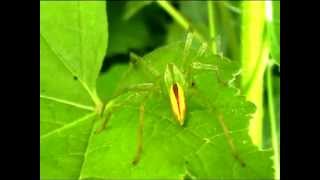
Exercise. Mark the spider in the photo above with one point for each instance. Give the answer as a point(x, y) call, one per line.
point(175, 79)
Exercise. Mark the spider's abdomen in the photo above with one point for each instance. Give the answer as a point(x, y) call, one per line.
point(178, 104)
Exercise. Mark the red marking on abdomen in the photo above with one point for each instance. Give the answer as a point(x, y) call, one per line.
point(176, 93)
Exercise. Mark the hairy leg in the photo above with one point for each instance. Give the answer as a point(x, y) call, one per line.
point(222, 123)
point(118, 101)
point(139, 136)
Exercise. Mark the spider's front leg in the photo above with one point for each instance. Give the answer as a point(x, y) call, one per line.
point(145, 90)
point(118, 101)
point(111, 106)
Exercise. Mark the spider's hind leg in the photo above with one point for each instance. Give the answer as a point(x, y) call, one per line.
point(230, 141)
point(139, 149)
point(221, 120)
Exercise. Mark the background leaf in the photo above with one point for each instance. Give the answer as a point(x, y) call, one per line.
point(126, 34)
point(108, 82)
point(71, 56)
point(196, 13)
point(132, 7)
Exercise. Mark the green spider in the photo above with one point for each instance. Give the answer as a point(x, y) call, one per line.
point(176, 80)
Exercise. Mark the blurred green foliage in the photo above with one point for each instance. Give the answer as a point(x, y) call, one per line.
point(142, 27)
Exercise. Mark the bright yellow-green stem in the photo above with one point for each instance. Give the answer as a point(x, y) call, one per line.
point(273, 123)
point(211, 23)
point(272, 114)
point(254, 57)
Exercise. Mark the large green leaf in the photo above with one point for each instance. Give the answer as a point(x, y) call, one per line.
point(200, 148)
point(73, 42)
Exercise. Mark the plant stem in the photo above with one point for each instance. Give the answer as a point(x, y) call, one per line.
point(254, 58)
point(179, 18)
point(271, 108)
point(212, 29)
point(273, 122)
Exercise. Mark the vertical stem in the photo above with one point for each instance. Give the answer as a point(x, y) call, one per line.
point(211, 23)
point(178, 17)
point(254, 57)
point(273, 122)
point(271, 108)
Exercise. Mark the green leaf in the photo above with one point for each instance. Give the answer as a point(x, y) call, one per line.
point(196, 13)
point(200, 148)
point(76, 31)
point(132, 7)
point(107, 83)
point(73, 42)
point(125, 34)
point(175, 33)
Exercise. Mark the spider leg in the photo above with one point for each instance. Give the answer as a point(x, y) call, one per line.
point(187, 47)
point(118, 101)
point(135, 60)
point(109, 108)
point(139, 136)
point(226, 131)
point(200, 66)
point(222, 123)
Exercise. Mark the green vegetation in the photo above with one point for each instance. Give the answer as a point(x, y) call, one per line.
point(114, 77)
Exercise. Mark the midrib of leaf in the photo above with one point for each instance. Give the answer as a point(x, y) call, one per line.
point(81, 106)
point(69, 125)
point(61, 59)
